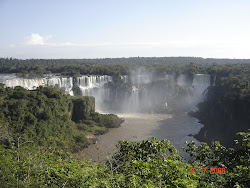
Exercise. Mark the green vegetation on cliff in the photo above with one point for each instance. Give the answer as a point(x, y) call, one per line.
point(43, 117)
point(226, 110)
point(83, 108)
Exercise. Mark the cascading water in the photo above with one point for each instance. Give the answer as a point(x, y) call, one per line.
point(88, 84)
point(145, 96)
point(63, 83)
point(132, 104)
point(214, 80)
point(200, 83)
point(181, 80)
point(140, 97)
point(26, 83)
point(195, 91)
point(125, 78)
point(169, 77)
point(94, 86)
point(140, 79)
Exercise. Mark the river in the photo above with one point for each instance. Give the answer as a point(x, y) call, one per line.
point(139, 126)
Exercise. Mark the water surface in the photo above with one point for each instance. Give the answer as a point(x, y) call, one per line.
point(139, 126)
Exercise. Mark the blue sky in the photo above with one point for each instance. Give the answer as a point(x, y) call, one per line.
point(124, 28)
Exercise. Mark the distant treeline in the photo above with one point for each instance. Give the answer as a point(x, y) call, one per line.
point(111, 66)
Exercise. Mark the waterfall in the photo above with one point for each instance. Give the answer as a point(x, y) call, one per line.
point(133, 102)
point(169, 77)
point(214, 80)
point(143, 95)
point(90, 82)
point(62, 83)
point(197, 89)
point(125, 78)
point(181, 80)
point(140, 79)
point(94, 86)
point(26, 83)
point(87, 84)
point(200, 83)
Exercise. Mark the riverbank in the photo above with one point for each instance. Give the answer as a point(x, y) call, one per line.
point(138, 127)
point(134, 128)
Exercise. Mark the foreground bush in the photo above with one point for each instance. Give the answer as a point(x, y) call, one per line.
point(148, 163)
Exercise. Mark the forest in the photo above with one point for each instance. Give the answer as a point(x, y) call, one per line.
point(111, 66)
point(39, 129)
point(48, 117)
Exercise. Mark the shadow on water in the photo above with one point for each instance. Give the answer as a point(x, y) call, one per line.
point(178, 130)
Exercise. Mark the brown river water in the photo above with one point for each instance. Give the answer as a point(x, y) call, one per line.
point(139, 126)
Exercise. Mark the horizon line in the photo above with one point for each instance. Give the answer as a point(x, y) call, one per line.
point(221, 58)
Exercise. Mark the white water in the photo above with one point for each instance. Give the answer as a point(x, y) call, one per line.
point(170, 77)
point(181, 80)
point(140, 97)
point(200, 83)
point(87, 84)
point(93, 85)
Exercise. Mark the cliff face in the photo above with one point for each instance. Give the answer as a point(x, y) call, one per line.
point(223, 116)
point(82, 108)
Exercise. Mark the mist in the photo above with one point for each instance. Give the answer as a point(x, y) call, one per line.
point(141, 91)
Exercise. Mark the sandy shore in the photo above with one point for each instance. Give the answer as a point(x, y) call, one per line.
point(136, 127)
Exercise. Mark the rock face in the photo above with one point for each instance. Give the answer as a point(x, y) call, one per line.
point(82, 108)
point(222, 117)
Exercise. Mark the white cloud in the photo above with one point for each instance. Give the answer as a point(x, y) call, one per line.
point(36, 39)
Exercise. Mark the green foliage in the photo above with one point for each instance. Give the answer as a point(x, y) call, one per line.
point(44, 116)
point(82, 108)
point(36, 115)
point(148, 163)
point(235, 161)
point(226, 110)
point(110, 120)
point(144, 151)
point(116, 66)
